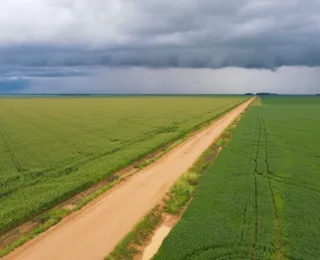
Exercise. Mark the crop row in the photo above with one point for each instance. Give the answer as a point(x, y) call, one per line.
point(51, 149)
point(260, 199)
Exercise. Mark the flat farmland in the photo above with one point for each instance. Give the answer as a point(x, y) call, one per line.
point(261, 197)
point(53, 148)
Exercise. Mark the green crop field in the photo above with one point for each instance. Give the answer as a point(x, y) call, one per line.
point(261, 198)
point(52, 148)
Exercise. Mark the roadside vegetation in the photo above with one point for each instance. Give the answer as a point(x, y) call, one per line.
point(174, 202)
point(54, 148)
point(260, 199)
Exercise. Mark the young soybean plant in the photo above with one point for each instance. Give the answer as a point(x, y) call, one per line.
point(54, 148)
point(260, 198)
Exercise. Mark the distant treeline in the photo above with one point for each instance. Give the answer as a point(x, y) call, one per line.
point(266, 94)
point(261, 94)
point(81, 95)
point(275, 94)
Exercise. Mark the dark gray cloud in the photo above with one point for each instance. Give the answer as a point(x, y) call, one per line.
point(77, 46)
point(295, 80)
point(19, 71)
point(153, 33)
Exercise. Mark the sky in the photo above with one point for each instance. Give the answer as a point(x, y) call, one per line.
point(159, 46)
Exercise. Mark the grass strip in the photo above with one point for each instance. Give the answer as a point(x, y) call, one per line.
point(178, 140)
point(127, 247)
point(183, 190)
point(174, 202)
point(54, 216)
point(48, 220)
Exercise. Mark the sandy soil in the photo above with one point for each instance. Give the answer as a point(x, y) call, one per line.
point(93, 231)
point(167, 223)
point(159, 235)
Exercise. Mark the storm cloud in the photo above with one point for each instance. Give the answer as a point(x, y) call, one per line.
point(286, 80)
point(153, 33)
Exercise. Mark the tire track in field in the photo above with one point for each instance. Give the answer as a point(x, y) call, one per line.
point(223, 254)
point(7, 146)
point(276, 215)
point(244, 221)
point(302, 185)
point(256, 224)
point(251, 157)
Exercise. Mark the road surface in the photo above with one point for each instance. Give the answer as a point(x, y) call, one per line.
point(93, 231)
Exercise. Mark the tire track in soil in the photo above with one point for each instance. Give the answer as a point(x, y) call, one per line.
point(276, 215)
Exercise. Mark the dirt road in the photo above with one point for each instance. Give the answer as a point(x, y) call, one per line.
point(93, 232)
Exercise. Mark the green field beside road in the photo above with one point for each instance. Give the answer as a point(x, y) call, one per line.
point(53, 148)
point(261, 197)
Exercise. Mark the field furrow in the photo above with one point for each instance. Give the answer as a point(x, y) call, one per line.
point(260, 199)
